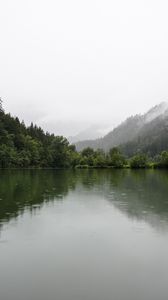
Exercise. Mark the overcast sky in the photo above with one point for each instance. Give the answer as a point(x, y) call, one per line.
point(69, 64)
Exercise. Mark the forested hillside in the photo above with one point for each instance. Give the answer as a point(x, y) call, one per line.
point(22, 146)
point(137, 132)
point(151, 139)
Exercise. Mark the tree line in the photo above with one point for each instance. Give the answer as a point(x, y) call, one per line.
point(24, 146)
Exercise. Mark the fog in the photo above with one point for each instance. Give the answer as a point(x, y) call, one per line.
point(68, 65)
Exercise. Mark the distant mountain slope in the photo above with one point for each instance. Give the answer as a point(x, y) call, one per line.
point(152, 138)
point(128, 130)
point(95, 131)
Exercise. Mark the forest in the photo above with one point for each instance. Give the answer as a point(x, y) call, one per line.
point(24, 146)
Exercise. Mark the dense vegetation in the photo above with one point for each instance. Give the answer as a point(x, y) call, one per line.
point(23, 147)
point(115, 159)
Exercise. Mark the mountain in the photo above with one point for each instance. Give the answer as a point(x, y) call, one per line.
point(134, 128)
point(93, 132)
point(151, 139)
point(156, 111)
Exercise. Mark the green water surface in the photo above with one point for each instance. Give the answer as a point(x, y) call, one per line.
point(83, 235)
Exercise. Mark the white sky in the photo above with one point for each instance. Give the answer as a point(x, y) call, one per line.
point(68, 64)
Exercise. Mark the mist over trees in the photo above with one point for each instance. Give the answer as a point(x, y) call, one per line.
point(140, 133)
point(31, 147)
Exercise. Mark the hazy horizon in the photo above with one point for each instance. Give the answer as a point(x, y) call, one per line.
point(70, 65)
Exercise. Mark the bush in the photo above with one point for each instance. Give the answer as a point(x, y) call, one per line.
point(139, 161)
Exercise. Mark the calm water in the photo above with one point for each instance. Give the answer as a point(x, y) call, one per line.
point(84, 235)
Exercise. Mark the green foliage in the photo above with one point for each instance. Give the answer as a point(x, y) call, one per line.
point(100, 159)
point(8, 156)
point(60, 152)
point(139, 161)
point(31, 147)
point(87, 152)
point(93, 158)
point(116, 159)
point(25, 147)
point(162, 160)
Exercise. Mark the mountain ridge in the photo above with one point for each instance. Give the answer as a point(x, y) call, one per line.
point(128, 130)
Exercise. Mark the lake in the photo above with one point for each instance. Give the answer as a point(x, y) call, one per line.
point(83, 235)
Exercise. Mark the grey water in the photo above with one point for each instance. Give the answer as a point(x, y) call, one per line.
point(83, 235)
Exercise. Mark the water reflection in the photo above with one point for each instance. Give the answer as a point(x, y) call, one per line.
point(138, 194)
point(29, 189)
